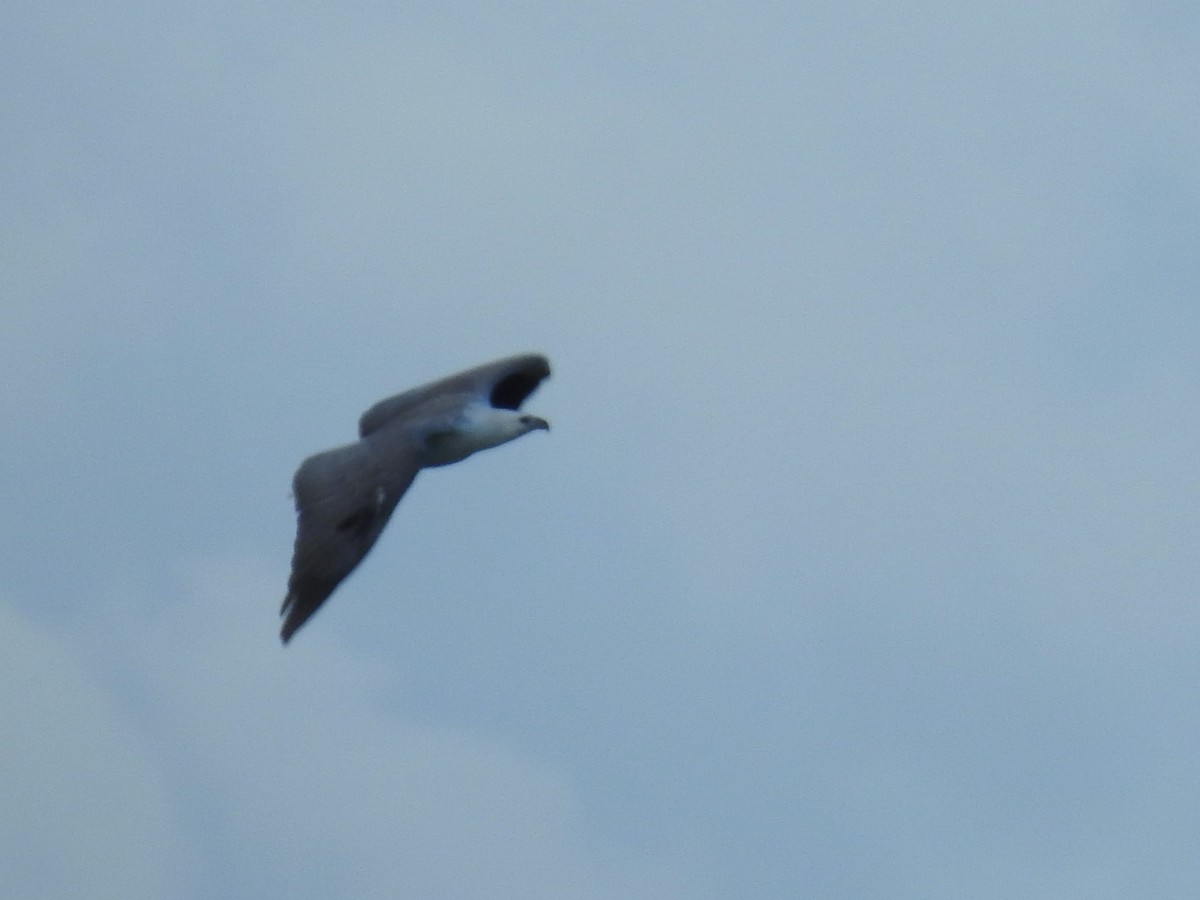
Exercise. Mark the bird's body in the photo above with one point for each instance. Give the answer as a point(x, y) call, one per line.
point(477, 426)
point(345, 496)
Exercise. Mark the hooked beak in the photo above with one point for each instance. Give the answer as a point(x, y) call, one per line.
point(535, 423)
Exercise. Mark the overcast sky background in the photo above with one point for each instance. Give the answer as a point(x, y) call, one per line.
point(861, 560)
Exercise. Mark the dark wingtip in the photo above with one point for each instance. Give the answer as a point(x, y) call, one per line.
point(289, 626)
point(286, 632)
point(514, 388)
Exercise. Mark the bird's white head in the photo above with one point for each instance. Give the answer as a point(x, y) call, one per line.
point(480, 427)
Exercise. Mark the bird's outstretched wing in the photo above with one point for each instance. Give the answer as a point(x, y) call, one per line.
point(505, 384)
point(344, 497)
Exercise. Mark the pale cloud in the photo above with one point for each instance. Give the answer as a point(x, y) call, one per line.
point(87, 807)
point(312, 785)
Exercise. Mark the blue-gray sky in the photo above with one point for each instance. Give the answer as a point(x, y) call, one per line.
point(861, 560)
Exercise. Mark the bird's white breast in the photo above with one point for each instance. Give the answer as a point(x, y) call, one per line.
point(478, 427)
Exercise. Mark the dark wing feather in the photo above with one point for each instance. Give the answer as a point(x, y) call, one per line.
point(344, 498)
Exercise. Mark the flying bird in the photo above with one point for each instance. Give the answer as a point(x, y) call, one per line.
point(345, 496)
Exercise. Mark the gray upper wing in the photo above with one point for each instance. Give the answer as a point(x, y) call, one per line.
point(344, 498)
point(505, 383)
